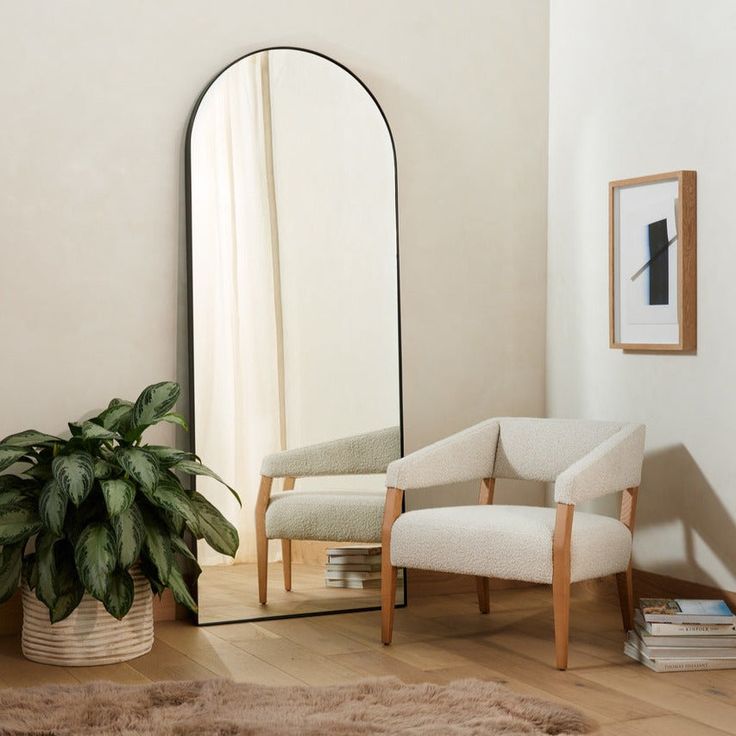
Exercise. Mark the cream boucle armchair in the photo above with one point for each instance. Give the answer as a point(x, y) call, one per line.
point(584, 459)
point(350, 516)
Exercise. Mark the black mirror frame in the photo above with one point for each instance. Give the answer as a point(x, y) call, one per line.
point(190, 311)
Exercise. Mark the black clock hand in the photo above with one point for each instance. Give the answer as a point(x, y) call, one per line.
point(653, 258)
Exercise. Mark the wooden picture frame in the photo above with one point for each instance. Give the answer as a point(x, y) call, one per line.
point(652, 271)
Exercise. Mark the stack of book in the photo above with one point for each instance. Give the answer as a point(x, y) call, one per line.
point(677, 635)
point(354, 566)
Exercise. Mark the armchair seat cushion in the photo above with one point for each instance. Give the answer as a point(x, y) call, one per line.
point(510, 542)
point(349, 516)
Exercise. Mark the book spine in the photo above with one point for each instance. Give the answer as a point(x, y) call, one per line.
point(707, 642)
point(677, 665)
point(687, 665)
point(341, 575)
point(354, 560)
point(674, 629)
point(686, 618)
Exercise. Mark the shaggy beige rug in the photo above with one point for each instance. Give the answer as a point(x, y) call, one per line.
point(225, 708)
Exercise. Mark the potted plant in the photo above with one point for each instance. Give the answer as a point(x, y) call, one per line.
point(91, 524)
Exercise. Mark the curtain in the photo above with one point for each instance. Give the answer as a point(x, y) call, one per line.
point(239, 401)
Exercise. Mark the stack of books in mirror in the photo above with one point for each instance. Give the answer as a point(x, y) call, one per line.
point(354, 566)
point(677, 635)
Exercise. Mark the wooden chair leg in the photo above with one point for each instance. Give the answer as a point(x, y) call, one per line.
point(482, 585)
point(286, 562)
point(625, 580)
point(625, 583)
point(391, 512)
point(561, 605)
point(264, 495)
point(484, 594)
point(262, 558)
point(561, 581)
point(388, 601)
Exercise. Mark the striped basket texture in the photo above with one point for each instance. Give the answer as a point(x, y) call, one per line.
point(90, 635)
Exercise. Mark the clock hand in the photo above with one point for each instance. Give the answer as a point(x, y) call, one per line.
point(656, 255)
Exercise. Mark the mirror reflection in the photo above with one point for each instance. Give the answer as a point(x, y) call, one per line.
point(295, 332)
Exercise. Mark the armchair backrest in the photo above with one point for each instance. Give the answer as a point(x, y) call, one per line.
point(541, 449)
point(585, 459)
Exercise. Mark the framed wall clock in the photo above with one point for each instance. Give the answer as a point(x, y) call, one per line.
point(652, 263)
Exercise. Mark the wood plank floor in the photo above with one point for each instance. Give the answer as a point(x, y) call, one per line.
point(230, 592)
point(437, 639)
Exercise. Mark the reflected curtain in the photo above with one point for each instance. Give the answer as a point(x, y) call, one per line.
point(239, 403)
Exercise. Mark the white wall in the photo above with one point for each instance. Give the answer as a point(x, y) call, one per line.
point(95, 101)
point(639, 88)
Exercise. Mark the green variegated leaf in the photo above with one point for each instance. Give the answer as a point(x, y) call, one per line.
point(180, 590)
point(140, 465)
point(29, 438)
point(116, 418)
point(103, 469)
point(75, 428)
point(11, 564)
point(92, 431)
point(157, 545)
point(30, 570)
point(174, 522)
point(69, 587)
point(175, 418)
point(52, 507)
point(167, 456)
point(13, 497)
point(18, 522)
point(119, 402)
point(75, 474)
point(154, 402)
point(179, 546)
point(129, 535)
point(170, 496)
point(46, 590)
point(219, 533)
point(41, 471)
point(12, 482)
point(15, 490)
point(96, 558)
point(120, 592)
point(192, 467)
point(89, 511)
point(149, 570)
point(119, 494)
point(10, 455)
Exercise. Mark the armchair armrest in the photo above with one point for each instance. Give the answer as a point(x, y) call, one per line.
point(612, 466)
point(467, 455)
point(363, 454)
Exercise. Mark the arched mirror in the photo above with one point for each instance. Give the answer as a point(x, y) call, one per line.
point(296, 371)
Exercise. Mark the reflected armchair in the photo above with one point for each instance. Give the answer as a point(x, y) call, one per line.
point(584, 459)
point(349, 516)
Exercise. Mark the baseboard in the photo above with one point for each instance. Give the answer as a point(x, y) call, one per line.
point(646, 585)
point(11, 612)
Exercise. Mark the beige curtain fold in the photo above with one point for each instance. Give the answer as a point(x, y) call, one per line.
point(239, 374)
point(278, 311)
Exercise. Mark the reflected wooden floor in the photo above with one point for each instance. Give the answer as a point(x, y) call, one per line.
point(230, 592)
point(437, 639)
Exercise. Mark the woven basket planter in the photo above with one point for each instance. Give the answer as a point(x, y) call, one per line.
point(90, 635)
